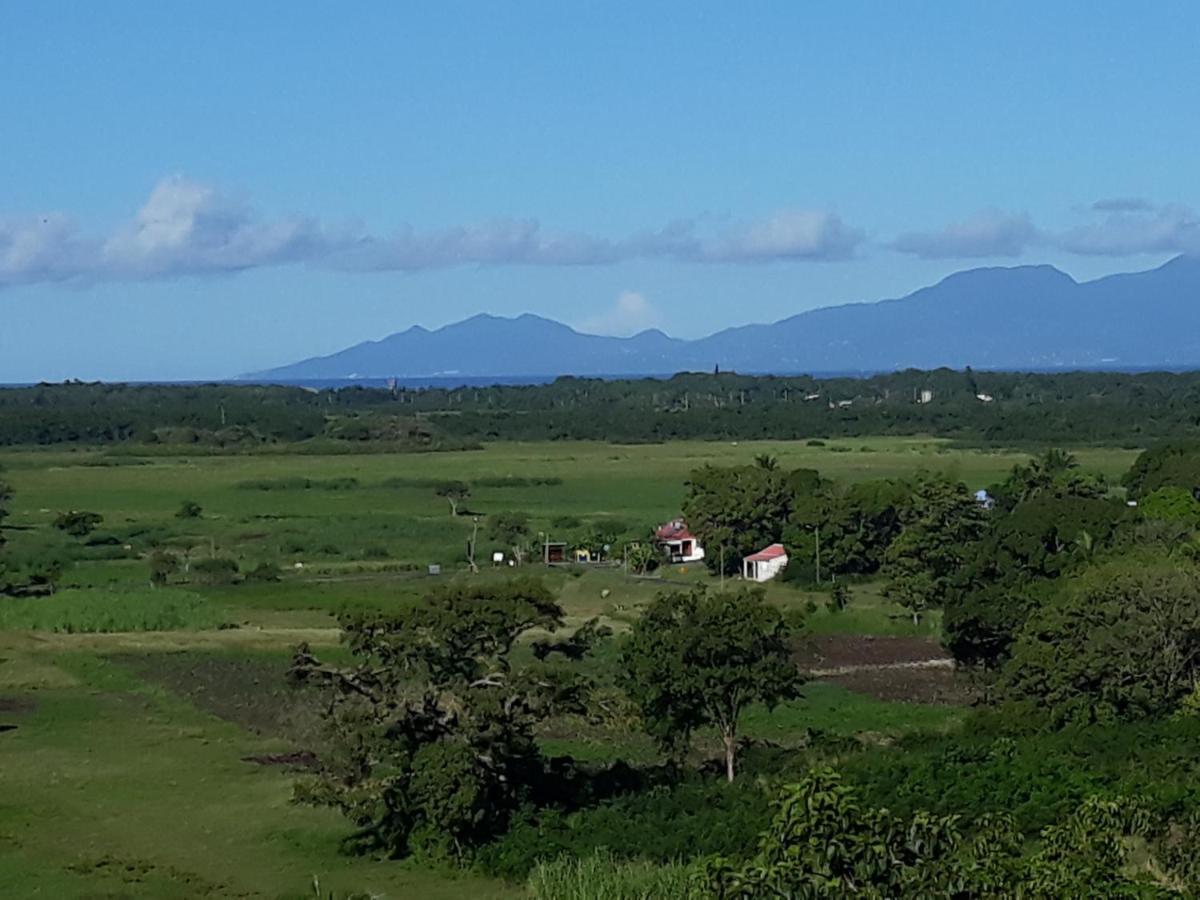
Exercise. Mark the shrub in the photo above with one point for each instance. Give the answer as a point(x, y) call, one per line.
point(78, 523)
point(215, 571)
point(263, 573)
point(189, 509)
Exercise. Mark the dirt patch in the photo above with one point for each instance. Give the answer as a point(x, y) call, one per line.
point(297, 760)
point(17, 706)
point(910, 685)
point(836, 651)
point(249, 691)
point(908, 669)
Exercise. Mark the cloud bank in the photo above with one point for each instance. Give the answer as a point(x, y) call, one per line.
point(990, 233)
point(187, 228)
point(1116, 227)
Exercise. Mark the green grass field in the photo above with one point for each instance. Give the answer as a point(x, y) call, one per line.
point(125, 775)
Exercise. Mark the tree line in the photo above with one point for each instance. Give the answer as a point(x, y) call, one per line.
point(981, 407)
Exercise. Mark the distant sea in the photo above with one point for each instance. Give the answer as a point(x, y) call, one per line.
point(457, 381)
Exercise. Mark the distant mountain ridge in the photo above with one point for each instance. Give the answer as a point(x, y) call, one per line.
point(1023, 317)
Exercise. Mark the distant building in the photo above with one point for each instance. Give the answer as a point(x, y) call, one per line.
point(984, 499)
point(984, 398)
point(765, 564)
point(926, 396)
point(554, 552)
point(678, 543)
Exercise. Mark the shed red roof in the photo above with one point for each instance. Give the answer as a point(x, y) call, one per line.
point(767, 553)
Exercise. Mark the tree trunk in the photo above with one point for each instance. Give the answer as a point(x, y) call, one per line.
point(730, 749)
point(453, 507)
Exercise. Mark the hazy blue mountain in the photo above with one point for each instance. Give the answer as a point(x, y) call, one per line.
point(1005, 318)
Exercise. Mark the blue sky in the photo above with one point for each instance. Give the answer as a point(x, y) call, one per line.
point(193, 190)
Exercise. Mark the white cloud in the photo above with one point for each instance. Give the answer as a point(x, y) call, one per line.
point(630, 313)
point(988, 233)
point(187, 228)
point(1132, 230)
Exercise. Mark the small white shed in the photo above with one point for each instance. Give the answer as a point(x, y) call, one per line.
point(765, 564)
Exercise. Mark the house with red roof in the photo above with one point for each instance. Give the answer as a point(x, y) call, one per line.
point(679, 544)
point(765, 564)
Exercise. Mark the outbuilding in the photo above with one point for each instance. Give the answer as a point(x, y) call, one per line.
point(765, 564)
point(678, 543)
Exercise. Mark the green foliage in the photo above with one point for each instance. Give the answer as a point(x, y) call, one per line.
point(741, 509)
point(1172, 464)
point(511, 530)
point(217, 570)
point(1014, 566)
point(824, 843)
point(95, 610)
point(696, 659)
point(839, 597)
point(940, 523)
point(162, 566)
point(78, 523)
point(263, 573)
point(455, 492)
point(1122, 643)
point(603, 876)
point(687, 818)
point(189, 509)
point(299, 484)
point(432, 729)
point(577, 646)
point(1172, 504)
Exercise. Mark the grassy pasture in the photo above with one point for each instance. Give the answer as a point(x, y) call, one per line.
point(124, 775)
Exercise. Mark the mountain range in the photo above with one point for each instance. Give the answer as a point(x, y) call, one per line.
point(1022, 317)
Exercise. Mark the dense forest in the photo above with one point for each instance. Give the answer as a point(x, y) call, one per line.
point(976, 407)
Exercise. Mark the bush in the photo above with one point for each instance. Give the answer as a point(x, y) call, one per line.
point(78, 523)
point(215, 571)
point(263, 573)
point(189, 509)
point(679, 822)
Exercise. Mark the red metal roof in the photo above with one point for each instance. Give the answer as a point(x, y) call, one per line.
point(767, 553)
point(674, 531)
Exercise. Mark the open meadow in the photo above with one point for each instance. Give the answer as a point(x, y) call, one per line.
point(150, 739)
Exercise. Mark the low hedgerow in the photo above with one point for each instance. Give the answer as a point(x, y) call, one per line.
point(699, 817)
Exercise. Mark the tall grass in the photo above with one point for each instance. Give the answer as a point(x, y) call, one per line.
point(89, 610)
point(603, 876)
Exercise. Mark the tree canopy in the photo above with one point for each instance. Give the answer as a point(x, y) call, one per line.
point(696, 658)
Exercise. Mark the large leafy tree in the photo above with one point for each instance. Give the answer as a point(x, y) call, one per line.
point(1011, 570)
point(431, 728)
point(940, 525)
point(455, 493)
point(854, 524)
point(1120, 643)
point(737, 510)
point(699, 659)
